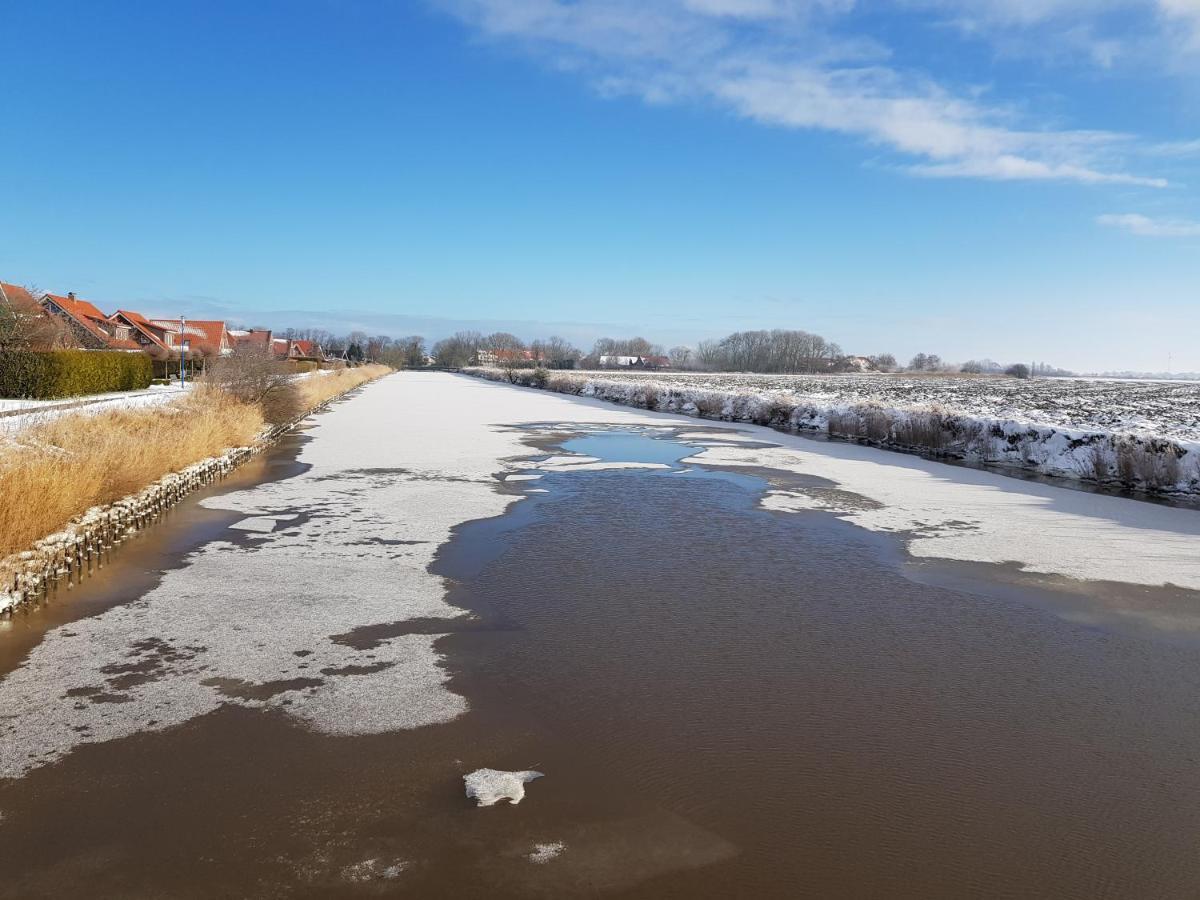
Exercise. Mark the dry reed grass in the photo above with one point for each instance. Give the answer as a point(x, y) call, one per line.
point(316, 389)
point(55, 470)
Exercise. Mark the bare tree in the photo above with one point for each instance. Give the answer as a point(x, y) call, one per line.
point(404, 353)
point(780, 350)
point(254, 375)
point(459, 349)
point(502, 340)
point(558, 353)
point(25, 325)
point(680, 357)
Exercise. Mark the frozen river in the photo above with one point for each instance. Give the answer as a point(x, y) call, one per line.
point(747, 664)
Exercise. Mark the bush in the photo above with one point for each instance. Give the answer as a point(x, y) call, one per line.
point(70, 373)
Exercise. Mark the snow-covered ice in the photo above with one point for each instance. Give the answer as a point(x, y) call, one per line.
point(489, 786)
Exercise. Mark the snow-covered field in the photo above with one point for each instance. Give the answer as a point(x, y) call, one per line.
point(1159, 408)
point(266, 621)
point(1124, 434)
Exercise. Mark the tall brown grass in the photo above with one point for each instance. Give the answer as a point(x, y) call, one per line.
point(316, 389)
point(55, 470)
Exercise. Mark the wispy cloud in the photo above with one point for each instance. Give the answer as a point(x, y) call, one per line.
point(1136, 223)
point(784, 63)
point(1158, 33)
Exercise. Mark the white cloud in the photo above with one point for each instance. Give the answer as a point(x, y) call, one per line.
point(1136, 223)
point(1176, 148)
point(1146, 33)
point(777, 62)
point(1014, 168)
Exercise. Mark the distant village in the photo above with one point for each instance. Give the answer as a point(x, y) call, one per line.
point(60, 321)
point(71, 322)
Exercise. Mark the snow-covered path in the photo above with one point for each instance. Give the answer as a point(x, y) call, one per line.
point(18, 414)
point(347, 544)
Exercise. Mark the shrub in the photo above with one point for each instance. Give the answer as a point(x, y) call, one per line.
point(1153, 467)
point(709, 404)
point(69, 373)
point(841, 423)
point(257, 377)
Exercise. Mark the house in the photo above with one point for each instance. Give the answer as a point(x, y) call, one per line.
point(149, 337)
point(206, 339)
point(89, 327)
point(257, 339)
point(634, 362)
point(16, 296)
point(618, 362)
point(305, 350)
point(507, 357)
point(280, 348)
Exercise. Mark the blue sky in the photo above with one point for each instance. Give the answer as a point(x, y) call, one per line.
point(1017, 179)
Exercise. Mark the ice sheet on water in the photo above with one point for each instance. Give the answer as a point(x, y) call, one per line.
point(489, 786)
point(226, 628)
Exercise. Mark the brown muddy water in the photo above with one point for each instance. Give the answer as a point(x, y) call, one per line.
point(725, 702)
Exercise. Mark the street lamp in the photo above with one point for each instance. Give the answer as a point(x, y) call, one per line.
point(182, 350)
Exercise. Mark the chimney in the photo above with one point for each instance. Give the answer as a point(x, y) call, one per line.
point(70, 295)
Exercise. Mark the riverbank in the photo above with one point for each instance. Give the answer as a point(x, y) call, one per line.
point(1113, 461)
point(74, 484)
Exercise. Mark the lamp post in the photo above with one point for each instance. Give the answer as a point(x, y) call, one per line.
point(182, 351)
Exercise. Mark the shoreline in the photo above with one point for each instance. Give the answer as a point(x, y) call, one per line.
point(1132, 466)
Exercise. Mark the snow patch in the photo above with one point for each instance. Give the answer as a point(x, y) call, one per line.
point(374, 870)
point(543, 853)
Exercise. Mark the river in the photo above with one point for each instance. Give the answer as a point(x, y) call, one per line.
point(277, 691)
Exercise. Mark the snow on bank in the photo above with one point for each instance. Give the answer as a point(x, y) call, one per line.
point(308, 618)
point(1166, 462)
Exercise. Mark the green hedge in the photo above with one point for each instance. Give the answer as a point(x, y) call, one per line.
point(70, 373)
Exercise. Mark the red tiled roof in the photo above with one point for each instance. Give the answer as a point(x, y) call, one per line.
point(306, 348)
point(524, 355)
point(15, 294)
point(143, 325)
point(83, 313)
point(255, 338)
point(204, 336)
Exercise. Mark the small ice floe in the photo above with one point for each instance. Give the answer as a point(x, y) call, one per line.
point(259, 524)
point(374, 870)
point(490, 785)
point(543, 853)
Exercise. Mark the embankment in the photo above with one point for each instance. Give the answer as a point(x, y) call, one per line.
point(74, 485)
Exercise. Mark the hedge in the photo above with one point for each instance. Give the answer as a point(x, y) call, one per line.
point(69, 373)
